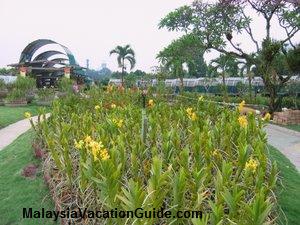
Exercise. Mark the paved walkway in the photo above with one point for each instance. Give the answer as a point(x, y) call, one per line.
point(286, 141)
point(11, 132)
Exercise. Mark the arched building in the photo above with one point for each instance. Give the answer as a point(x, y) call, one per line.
point(49, 64)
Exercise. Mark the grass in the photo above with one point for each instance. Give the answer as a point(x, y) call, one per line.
point(293, 127)
point(9, 115)
point(18, 192)
point(287, 195)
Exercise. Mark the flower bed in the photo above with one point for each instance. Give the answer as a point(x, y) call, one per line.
point(196, 156)
point(16, 103)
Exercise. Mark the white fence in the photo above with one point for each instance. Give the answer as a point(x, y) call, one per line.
point(8, 79)
point(203, 81)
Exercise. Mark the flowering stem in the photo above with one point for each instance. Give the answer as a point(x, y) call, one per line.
point(144, 125)
point(144, 118)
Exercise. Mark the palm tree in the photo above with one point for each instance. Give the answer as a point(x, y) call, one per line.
point(248, 67)
point(228, 66)
point(124, 53)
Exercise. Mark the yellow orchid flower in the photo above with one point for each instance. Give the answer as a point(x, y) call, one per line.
point(251, 165)
point(27, 115)
point(267, 117)
point(243, 121)
point(88, 139)
point(151, 103)
point(104, 154)
point(241, 105)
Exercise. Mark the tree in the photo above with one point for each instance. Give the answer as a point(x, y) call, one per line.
point(133, 77)
point(104, 72)
point(185, 50)
point(8, 71)
point(228, 66)
point(218, 24)
point(198, 67)
point(118, 75)
point(272, 57)
point(249, 69)
point(161, 73)
point(124, 53)
point(139, 73)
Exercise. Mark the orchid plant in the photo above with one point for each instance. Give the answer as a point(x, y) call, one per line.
point(197, 156)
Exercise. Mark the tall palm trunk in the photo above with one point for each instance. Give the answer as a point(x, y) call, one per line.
point(179, 73)
point(224, 87)
point(181, 84)
point(250, 81)
point(123, 70)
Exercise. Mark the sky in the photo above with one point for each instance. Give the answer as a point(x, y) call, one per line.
point(91, 28)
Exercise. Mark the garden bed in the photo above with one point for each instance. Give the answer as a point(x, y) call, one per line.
point(43, 103)
point(16, 103)
point(3, 93)
point(195, 156)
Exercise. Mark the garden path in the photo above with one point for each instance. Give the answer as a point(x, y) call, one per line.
point(11, 132)
point(286, 141)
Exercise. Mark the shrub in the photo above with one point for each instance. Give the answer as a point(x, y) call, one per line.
point(2, 85)
point(26, 84)
point(65, 84)
point(16, 94)
point(45, 94)
point(291, 102)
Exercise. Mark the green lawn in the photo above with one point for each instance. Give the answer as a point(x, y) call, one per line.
point(17, 192)
point(9, 115)
point(288, 195)
point(293, 127)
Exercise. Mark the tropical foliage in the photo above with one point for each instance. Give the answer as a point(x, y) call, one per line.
point(45, 94)
point(124, 54)
point(16, 94)
point(219, 25)
point(65, 85)
point(185, 50)
point(26, 84)
point(6, 71)
point(21, 88)
point(228, 66)
point(196, 156)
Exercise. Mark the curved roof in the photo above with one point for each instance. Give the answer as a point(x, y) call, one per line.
point(31, 48)
point(59, 60)
point(47, 54)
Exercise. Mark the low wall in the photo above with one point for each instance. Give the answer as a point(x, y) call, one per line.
point(287, 118)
